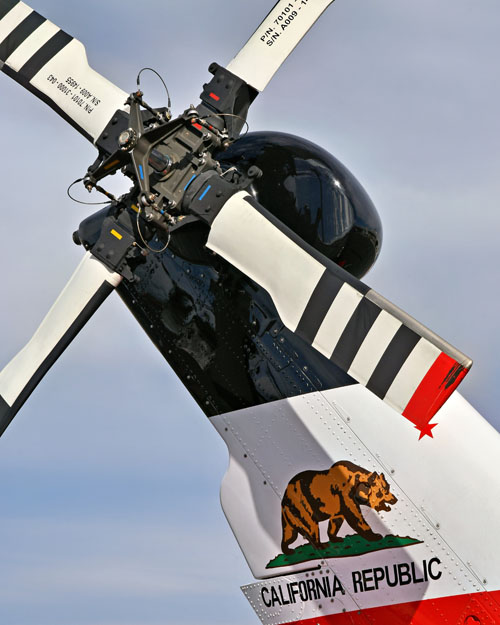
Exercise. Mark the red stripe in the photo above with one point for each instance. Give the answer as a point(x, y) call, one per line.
point(438, 384)
point(215, 97)
point(199, 126)
point(481, 608)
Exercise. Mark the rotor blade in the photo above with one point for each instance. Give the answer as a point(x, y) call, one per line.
point(53, 65)
point(87, 289)
point(275, 39)
point(376, 343)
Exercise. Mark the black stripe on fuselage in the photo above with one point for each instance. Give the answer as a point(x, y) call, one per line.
point(394, 357)
point(19, 35)
point(47, 52)
point(355, 333)
point(321, 300)
point(6, 415)
point(6, 6)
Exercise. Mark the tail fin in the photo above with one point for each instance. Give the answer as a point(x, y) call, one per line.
point(376, 526)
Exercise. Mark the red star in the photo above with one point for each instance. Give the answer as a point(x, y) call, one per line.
point(425, 430)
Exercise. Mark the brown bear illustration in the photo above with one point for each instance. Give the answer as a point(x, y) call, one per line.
point(335, 494)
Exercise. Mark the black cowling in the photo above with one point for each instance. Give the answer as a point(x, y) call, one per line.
point(310, 191)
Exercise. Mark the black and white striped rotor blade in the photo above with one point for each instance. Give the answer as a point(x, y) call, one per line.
point(53, 65)
point(87, 289)
point(375, 342)
point(274, 40)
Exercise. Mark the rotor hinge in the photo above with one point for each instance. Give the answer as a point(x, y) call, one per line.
point(111, 239)
point(228, 96)
point(108, 141)
point(210, 191)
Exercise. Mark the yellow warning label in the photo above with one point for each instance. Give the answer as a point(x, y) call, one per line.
point(110, 165)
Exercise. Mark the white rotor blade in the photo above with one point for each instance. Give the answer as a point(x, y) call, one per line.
point(376, 343)
point(274, 40)
point(53, 65)
point(87, 289)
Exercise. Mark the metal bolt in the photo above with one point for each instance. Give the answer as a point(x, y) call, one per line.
point(127, 139)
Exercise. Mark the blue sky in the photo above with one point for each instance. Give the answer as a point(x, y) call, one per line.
point(109, 477)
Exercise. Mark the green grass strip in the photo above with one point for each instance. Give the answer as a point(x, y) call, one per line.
point(353, 545)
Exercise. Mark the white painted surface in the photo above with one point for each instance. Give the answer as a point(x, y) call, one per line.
point(67, 79)
point(336, 319)
point(419, 328)
point(373, 347)
point(275, 39)
point(71, 63)
point(31, 45)
point(444, 488)
point(250, 242)
point(90, 275)
point(13, 18)
point(411, 374)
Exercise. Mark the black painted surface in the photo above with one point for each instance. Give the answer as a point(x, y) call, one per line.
point(20, 34)
point(221, 334)
point(47, 52)
point(355, 333)
point(6, 6)
point(220, 331)
point(394, 357)
point(4, 409)
point(312, 193)
point(6, 415)
point(316, 310)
